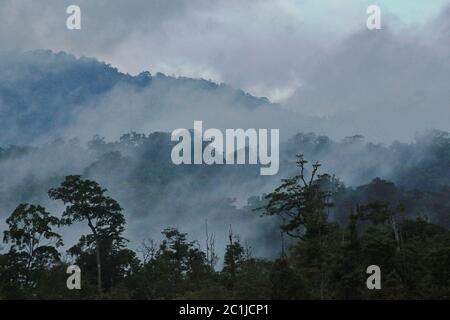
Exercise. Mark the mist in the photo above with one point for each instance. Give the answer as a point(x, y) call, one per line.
point(360, 102)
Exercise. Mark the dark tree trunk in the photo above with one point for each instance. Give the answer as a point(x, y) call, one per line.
point(97, 255)
point(99, 266)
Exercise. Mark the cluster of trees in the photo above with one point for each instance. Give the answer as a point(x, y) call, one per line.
point(138, 171)
point(321, 257)
point(421, 164)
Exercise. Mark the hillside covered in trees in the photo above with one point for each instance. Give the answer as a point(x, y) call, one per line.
point(86, 178)
point(320, 258)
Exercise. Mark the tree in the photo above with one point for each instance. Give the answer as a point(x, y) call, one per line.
point(379, 212)
point(87, 202)
point(303, 205)
point(132, 139)
point(33, 243)
point(301, 202)
point(348, 276)
point(176, 267)
point(233, 259)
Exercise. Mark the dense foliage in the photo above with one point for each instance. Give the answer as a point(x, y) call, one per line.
point(330, 233)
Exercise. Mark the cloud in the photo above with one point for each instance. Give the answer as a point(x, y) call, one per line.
point(386, 84)
point(257, 45)
point(316, 58)
point(171, 103)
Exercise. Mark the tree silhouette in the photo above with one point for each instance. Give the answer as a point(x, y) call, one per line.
point(32, 242)
point(301, 202)
point(87, 202)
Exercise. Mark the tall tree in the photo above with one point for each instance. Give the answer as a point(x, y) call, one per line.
point(302, 202)
point(233, 259)
point(86, 202)
point(33, 243)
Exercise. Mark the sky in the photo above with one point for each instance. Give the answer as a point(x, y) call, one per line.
point(316, 58)
point(257, 45)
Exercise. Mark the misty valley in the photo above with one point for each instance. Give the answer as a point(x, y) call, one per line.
point(92, 182)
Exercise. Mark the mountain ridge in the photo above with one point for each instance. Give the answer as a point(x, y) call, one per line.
point(41, 91)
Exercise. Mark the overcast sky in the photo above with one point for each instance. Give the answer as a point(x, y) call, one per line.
point(258, 45)
point(314, 57)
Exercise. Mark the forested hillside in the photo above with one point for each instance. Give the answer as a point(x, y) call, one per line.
point(86, 178)
point(319, 257)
